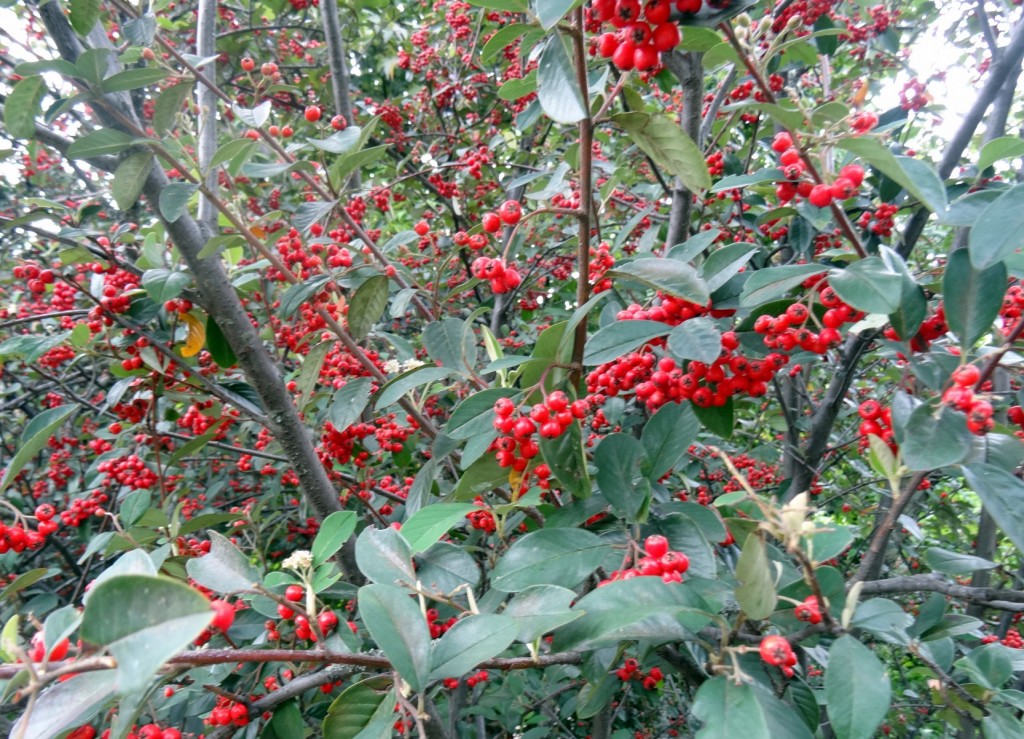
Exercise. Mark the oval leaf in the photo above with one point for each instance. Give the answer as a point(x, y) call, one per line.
point(399, 629)
point(550, 557)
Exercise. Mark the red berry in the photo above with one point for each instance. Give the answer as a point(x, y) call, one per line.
point(248, 64)
point(656, 546)
point(782, 142)
point(294, 593)
point(789, 156)
point(510, 212)
point(313, 113)
point(224, 614)
point(491, 222)
point(966, 376)
point(422, 228)
point(268, 69)
point(666, 36)
point(775, 650)
point(821, 196)
point(645, 57)
point(854, 173)
point(607, 44)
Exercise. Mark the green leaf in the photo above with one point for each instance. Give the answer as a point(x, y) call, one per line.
point(512, 6)
point(167, 106)
point(540, 609)
point(883, 618)
point(341, 142)
point(309, 373)
point(567, 458)
point(310, 212)
point(143, 621)
point(230, 150)
point(174, 200)
point(729, 710)
point(672, 276)
point(65, 705)
point(217, 343)
point(1002, 494)
point(718, 419)
point(1004, 147)
point(367, 306)
point(475, 415)
point(393, 391)
point(450, 341)
point(553, 556)
point(618, 458)
point(933, 440)
point(644, 608)
point(557, 90)
point(130, 177)
point(966, 210)
point(469, 642)
point(84, 14)
point(35, 436)
point(549, 12)
point(22, 106)
point(133, 79)
point(349, 402)
point(668, 145)
point(685, 535)
point(761, 177)
point(697, 338)
point(617, 339)
point(725, 263)
point(364, 710)
point(429, 524)
point(286, 722)
point(383, 556)
point(134, 506)
point(224, 569)
point(164, 284)
point(970, 298)
point(857, 689)
point(919, 179)
point(300, 293)
point(774, 282)
point(756, 591)
point(334, 532)
point(999, 231)
point(502, 38)
point(445, 567)
point(92, 64)
point(399, 629)
point(955, 563)
point(24, 580)
point(868, 285)
point(349, 163)
point(98, 143)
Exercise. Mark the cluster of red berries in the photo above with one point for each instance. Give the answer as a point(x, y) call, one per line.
point(875, 421)
point(660, 561)
point(480, 676)
point(961, 397)
point(819, 195)
point(37, 650)
point(1012, 639)
point(794, 327)
point(327, 619)
point(18, 538)
point(223, 617)
point(503, 278)
point(881, 221)
point(808, 611)
point(932, 328)
point(178, 305)
point(630, 670)
point(644, 30)
point(508, 214)
point(550, 419)
point(436, 625)
point(482, 520)
point(37, 278)
point(228, 713)
point(775, 651)
point(267, 69)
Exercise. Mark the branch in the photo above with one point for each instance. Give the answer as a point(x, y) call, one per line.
point(206, 48)
point(688, 69)
point(340, 81)
point(1005, 600)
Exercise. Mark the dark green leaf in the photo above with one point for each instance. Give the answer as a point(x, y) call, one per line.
point(774, 282)
point(167, 106)
point(729, 709)
point(502, 38)
point(617, 339)
point(164, 284)
point(618, 458)
point(99, 142)
point(557, 90)
point(364, 710)
point(1002, 494)
point(341, 142)
point(230, 150)
point(25, 580)
point(761, 177)
point(140, 31)
point(756, 591)
point(934, 439)
point(970, 300)
point(540, 609)
point(134, 505)
point(22, 106)
point(668, 145)
point(429, 524)
point(349, 163)
point(857, 689)
point(451, 342)
point(718, 419)
point(725, 263)
point(130, 177)
point(445, 568)
point(1004, 147)
point(217, 343)
point(398, 386)
point(667, 436)
point(349, 402)
point(35, 436)
point(84, 14)
point(224, 569)
point(1000, 229)
point(300, 293)
point(918, 179)
point(384, 557)
point(475, 415)
point(965, 210)
point(367, 306)
point(549, 557)
point(65, 705)
point(143, 621)
point(697, 338)
point(955, 563)
point(868, 285)
point(549, 12)
point(174, 200)
point(399, 629)
point(672, 276)
point(469, 642)
point(334, 532)
point(132, 79)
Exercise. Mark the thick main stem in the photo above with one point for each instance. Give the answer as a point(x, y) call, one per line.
point(586, 149)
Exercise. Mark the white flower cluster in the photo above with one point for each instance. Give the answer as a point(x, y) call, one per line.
point(300, 559)
point(393, 366)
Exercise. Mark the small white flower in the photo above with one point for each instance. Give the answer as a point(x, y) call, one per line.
point(300, 559)
point(411, 364)
point(392, 366)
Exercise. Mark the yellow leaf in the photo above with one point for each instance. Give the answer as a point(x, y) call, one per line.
point(196, 335)
point(258, 232)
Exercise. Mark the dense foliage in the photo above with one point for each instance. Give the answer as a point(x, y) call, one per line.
point(507, 368)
